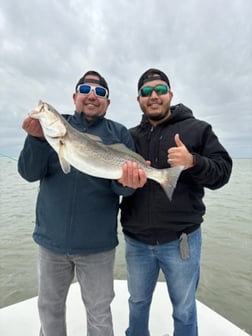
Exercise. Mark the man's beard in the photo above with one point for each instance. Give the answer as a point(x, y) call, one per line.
point(159, 116)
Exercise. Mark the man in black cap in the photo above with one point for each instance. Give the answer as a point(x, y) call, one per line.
point(161, 234)
point(76, 215)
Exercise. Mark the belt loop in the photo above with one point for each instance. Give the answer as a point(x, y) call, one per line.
point(183, 246)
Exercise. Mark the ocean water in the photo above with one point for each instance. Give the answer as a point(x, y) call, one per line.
point(226, 267)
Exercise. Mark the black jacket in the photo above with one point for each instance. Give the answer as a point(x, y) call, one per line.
point(148, 215)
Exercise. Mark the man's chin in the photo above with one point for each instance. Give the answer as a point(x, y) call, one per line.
point(156, 117)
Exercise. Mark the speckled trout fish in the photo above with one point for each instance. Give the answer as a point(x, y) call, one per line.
point(88, 154)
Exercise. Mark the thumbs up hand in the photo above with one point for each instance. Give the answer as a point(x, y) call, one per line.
point(179, 155)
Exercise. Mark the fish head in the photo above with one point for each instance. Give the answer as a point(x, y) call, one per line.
point(51, 121)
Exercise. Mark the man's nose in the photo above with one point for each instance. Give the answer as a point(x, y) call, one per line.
point(154, 94)
point(92, 94)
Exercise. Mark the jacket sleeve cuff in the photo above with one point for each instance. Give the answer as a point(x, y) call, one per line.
point(119, 189)
point(199, 164)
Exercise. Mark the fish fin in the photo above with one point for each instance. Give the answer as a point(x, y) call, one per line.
point(170, 178)
point(94, 137)
point(119, 146)
point(63, 162)
point(64, 165)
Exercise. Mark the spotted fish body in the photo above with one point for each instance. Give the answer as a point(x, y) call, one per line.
point(88, 154)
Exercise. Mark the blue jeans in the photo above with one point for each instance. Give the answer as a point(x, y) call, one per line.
point(95, 275)
point(182, 275)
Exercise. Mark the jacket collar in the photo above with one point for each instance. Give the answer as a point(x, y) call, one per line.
point(80, 119)
point(179, 112)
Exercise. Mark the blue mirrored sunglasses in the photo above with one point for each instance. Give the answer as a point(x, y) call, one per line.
point(160, 89)
point(99, 91)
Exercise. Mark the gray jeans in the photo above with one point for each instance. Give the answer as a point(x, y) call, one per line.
point(94, 273)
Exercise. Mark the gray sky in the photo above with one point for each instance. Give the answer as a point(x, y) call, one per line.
point(204, 46)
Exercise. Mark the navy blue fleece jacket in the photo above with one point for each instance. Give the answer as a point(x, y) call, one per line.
point(75, 213)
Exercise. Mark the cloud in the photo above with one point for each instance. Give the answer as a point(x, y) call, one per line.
point(204, 47)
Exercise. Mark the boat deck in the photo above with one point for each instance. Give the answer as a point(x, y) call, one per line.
point(22, 318)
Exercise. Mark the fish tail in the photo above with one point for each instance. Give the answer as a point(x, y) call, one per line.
point(169, 179)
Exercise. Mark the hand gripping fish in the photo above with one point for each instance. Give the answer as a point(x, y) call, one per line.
point(88, 154)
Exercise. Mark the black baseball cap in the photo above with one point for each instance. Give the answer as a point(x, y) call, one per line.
point(152, 74)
